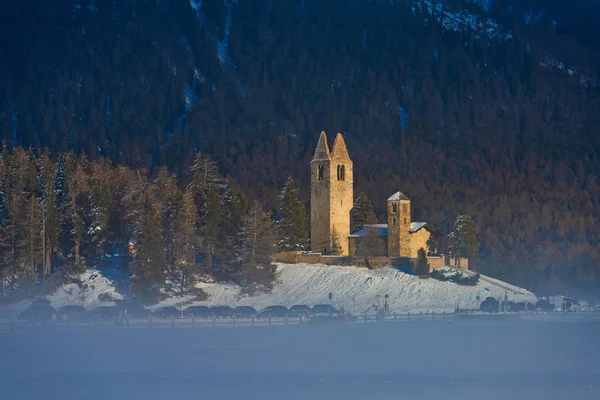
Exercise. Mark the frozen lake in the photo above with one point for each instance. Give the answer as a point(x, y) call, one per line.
point(538, 358)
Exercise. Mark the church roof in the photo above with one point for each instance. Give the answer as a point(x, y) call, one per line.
point(415, 226)
point(398, 196)
point(339, 151)
point(322, 151)
point(367, 230)
point(382, 229)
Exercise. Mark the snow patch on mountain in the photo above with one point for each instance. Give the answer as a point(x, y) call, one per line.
point(458, 20)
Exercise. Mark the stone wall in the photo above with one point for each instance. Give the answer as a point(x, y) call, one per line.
point(352, 242)
point(295, 257)
point(375, 246)
point(419, 240)
point(436, 262)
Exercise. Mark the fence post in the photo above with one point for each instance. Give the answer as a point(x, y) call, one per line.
point(394, 316)
point(127, 322)
point(433, 315)
point(172, 322)
point(286, 319)
point(421, 314)
point(408, 316)
point(253, 320)
point(444, 315)
point(269, 320)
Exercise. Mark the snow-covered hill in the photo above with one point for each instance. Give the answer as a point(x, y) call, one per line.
point(353, 288)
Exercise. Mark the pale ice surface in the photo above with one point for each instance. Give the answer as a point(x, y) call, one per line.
point(354, 289)
point(540, 358)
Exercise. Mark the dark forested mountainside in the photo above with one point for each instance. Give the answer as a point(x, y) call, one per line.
point(462, 124)
point(566, 29)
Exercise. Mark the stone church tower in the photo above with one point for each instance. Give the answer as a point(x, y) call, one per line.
point(398, 208)
point(331, 196)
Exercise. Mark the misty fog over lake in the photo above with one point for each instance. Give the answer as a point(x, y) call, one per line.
point(533, 358)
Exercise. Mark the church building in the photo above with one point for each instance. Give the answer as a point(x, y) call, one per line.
point(331, 202)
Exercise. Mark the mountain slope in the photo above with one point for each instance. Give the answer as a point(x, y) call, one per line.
point(463, 125)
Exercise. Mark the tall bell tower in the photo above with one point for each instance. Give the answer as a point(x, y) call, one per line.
point(331, 196)
point(398, 208)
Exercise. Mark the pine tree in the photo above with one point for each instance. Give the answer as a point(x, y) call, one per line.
point(147, 264)
point(462, 241)
point(15, 244)
point(4, 191)
point(186, 242)
point(167, 197)
point(421, 264)
point(4, 187)
point(47, 175)
point(102, 192)
point(74, 209)
point(292, 231)
point(336, 248)
point(362, 213)
point(35, 250)
point(126, 180)
point(33, 214)
point(209, 230)
point(205, 186)
point(256, 270)
point(204, 173)
point(234, 207)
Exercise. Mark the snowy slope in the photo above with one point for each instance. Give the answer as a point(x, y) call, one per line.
point(356, 288)
point(352, 287)
point(92, 290)
point(89, 292)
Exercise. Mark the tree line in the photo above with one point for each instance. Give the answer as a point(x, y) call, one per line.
point(59, 216)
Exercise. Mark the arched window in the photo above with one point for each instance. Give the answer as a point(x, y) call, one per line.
point(394, 208)
point(404, 220)
point(341, 172)
point(394, 220)
point(320, 171)
point(404, 208)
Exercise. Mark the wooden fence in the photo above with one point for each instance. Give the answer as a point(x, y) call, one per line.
point(192, 323)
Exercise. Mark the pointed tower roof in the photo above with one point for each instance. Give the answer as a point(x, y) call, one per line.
point(339, 151)
point(398, 196)
point(322, 151)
